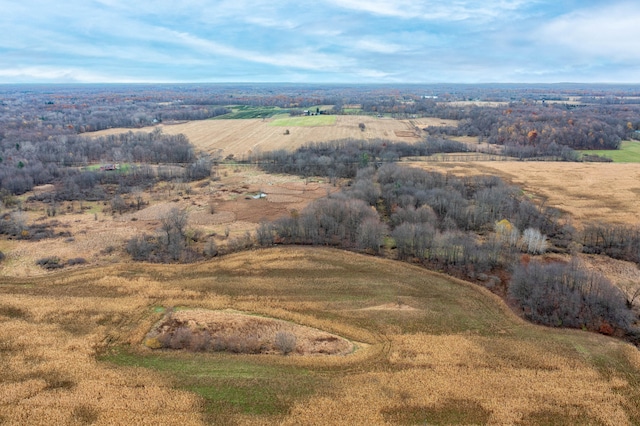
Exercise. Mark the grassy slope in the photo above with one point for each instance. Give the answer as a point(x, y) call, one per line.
point(432, 349)
point(629, 152)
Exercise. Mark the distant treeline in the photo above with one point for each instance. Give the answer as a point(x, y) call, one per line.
point(608, 114)
point(525, 127)
point(35, 116)
point(539, 126)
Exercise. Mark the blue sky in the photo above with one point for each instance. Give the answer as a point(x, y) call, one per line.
point(328, 41)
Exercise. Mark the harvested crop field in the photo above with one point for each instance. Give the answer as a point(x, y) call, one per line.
point(242, 137)
point(590, 192)
point(72, 349)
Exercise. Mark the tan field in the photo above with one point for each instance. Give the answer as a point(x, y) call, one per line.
point(223, 207)
point(431, 350)
point(423, 348)
point(243, 137)
point(589, 192)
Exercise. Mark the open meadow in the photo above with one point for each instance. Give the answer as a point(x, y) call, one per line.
point(428, 349)
point(589, 192)
point(243, 137)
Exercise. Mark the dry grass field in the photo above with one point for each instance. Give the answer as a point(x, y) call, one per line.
point(217, 207)
point(430, 349)
point(242, 137)
point(589, 192)
point(422, 348)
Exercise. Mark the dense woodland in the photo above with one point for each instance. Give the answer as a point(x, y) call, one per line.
point(63, 158)
point(540, 125)
point(343, 158)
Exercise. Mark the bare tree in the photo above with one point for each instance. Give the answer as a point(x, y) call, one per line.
point(533, 241)
point(264, 234)
point(631, 292)
point(370, 234)
point(173, 225)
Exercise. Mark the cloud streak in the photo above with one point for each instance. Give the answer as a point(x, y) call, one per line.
point(350, 41)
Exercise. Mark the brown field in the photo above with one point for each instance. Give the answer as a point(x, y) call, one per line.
point(72, 349)
point(589, 192)
point(429, 349)
point(243, 137)
point(99, 236)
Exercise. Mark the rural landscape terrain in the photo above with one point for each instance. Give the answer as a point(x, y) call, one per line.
point(229, 254)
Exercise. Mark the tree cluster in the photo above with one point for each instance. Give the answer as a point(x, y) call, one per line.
point(431, 217)
point(568, 295)
point(62, 160)
point(472, 227)
point(343, 158)
point(171, 244)
point(616, 241)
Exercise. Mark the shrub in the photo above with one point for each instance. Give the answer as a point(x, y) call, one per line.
point(264, 234)
point(51, 262)
point(180, 338)
point(200, 342)
point(140, 247)
point(211, 249)
point(84, 414)
point(76, 261)
point(285, 342)
point(153, 343)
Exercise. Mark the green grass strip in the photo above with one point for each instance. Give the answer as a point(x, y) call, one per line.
point(629, 152)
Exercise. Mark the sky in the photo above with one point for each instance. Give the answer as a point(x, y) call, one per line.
point(321, 41)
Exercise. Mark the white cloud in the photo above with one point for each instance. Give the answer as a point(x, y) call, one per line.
point(271, 22)
point(400, 9)
point(61, 75)
point(377, 46)
point(607, 32)
point(436, 9)
point(373, 74)
point(304, 59)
